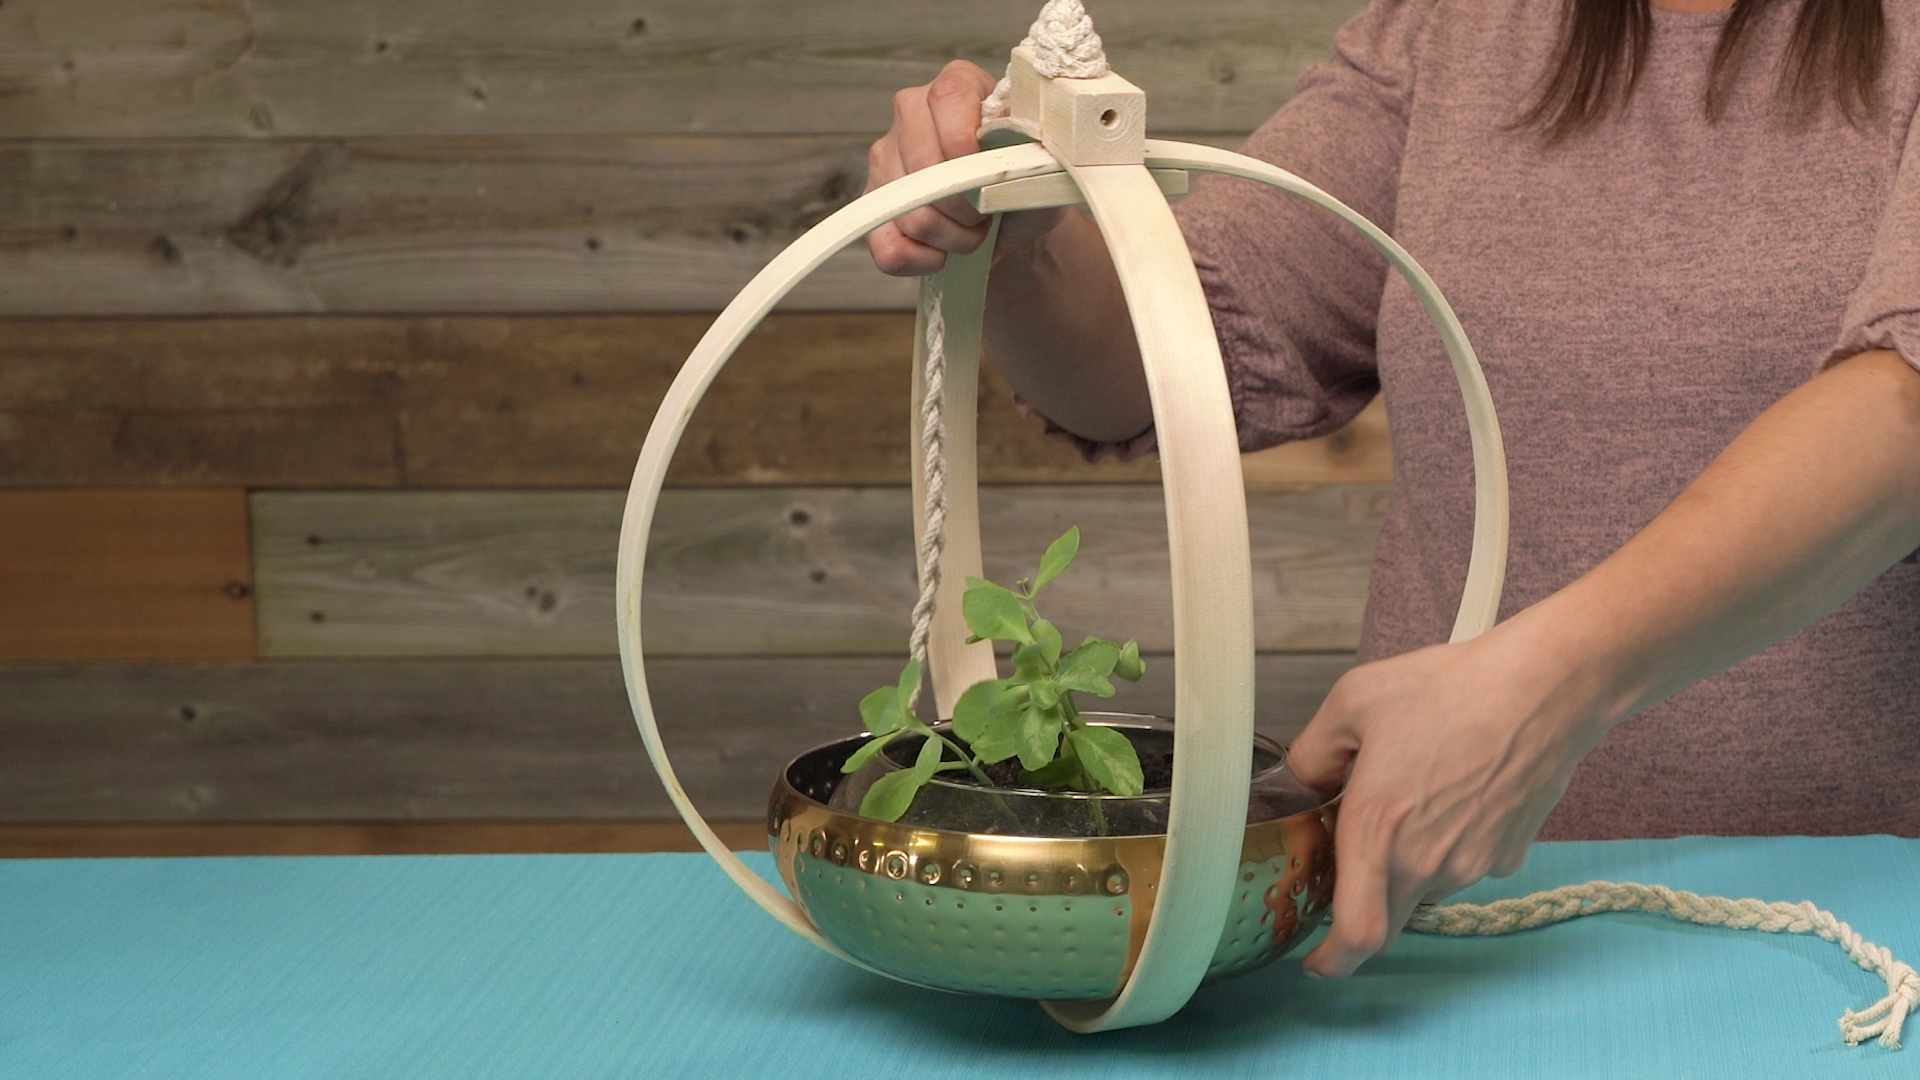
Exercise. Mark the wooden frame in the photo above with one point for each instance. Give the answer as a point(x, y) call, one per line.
point(1206, 509)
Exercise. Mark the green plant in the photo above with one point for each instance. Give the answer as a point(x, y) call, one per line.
point(1030, 715)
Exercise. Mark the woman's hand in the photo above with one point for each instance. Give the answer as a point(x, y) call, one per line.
point(1451, 757)
point(932, 124)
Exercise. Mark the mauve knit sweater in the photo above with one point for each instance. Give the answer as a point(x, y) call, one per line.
point(1637, 295)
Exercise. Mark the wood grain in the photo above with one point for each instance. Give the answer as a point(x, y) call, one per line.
point(363, 838)
point(125, 575)
point(756, 571)
point(519, 401)
point(91, 68)
point(133, 227)
point(518, 740)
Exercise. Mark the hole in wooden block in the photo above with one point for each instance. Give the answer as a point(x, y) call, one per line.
point(1109, 118)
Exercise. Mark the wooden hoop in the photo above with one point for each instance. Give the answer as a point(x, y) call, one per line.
point(1206, 516)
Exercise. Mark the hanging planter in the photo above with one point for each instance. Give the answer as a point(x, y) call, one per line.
point(1183, 891)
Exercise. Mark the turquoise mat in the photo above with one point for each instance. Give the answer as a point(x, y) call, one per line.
point(640, 966)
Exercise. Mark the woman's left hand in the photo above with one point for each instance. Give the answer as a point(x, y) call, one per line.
point(1451, 757)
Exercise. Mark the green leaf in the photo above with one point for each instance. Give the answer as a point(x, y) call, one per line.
point(1061, 772)
point(993, 612)
point(1108, 758)
point(928, 762)
point(890, 795)
point(1030, 663)
point(1039, 736)
point(999, 742)
point(909, 682)
point(1130, 667)
point(1059, 556)
point(882, 711)
point(983, 704)
point(1046, 693)
point(865, 753)
point(1087, 667)
point(1046, 635)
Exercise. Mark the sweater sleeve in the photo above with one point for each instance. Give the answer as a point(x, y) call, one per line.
point(1295, 293)
point(1884, 310)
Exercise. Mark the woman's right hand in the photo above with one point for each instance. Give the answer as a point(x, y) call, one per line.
point(932, 124)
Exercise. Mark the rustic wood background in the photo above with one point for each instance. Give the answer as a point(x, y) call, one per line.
point(329, 332)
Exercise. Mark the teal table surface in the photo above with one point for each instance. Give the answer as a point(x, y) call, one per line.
point(654, 966)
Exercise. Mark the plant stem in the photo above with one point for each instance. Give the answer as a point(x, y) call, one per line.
point(1099, 802)
point(973, 766)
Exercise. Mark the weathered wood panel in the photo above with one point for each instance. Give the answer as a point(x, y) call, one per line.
point(484, 225)
point(521, 401)
point(125, 575)
point(756, 571)
point(511, 739)
point(159, 227)
point(87, 68)
point(112, 841)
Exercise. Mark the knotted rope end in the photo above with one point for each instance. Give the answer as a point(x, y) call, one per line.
point(1064, 47)
point(1883, 1019)
point(1886, 1017)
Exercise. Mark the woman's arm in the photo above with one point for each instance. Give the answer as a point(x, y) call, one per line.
point(1454, 755)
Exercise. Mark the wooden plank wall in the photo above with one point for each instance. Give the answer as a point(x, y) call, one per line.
point(329, 333)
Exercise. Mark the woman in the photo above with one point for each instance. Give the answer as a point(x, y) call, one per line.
point(1685, 239)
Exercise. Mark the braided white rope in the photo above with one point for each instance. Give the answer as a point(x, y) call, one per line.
point(1064, 46)
point(1882, 1019)
point(933, 470)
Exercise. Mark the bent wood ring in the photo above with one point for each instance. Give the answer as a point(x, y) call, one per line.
point(1206, 518)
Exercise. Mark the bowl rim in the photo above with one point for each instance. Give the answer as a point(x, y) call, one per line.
point(785, 789)
point(1147, 721)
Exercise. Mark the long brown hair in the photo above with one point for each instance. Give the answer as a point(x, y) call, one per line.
point(1836, 50)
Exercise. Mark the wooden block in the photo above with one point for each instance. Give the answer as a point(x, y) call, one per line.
point(91, 69)
point(1057, 189)
point(521, 401)
point(756, 571)
point(125, 575)
point(503, 740)
point(1098, 121)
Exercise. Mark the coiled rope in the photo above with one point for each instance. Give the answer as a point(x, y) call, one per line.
point(1065, 46)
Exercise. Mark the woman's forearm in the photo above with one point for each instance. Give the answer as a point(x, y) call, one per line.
point(1808, 505)
point(1057, 328)
point(1454, 755)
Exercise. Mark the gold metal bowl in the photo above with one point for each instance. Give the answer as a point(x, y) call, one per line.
point(1045, 917)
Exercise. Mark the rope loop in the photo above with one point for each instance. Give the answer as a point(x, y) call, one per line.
point(1065, 46)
